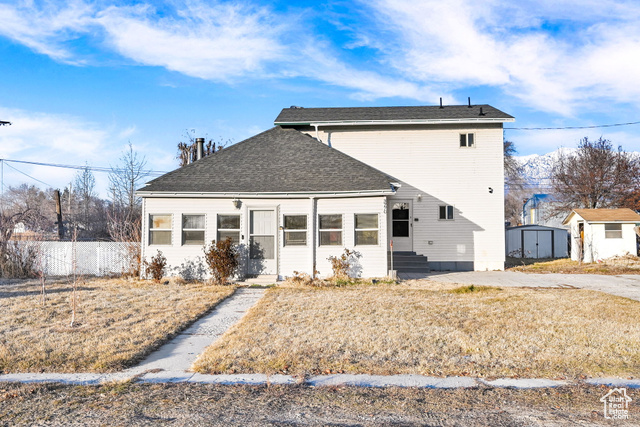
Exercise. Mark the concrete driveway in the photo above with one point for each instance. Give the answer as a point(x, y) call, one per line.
point(626, 285)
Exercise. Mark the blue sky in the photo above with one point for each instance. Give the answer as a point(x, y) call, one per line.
point(80, 79)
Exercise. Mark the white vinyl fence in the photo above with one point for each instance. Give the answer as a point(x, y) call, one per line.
point(92, 258)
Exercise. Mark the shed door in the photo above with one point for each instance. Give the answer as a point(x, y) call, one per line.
point(545, 244)
point(530, 244)
point(262, 242)
point(537, 243)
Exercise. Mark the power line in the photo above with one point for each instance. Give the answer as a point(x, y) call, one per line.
point(579, 127)
point(27, 175)
point(78, 167)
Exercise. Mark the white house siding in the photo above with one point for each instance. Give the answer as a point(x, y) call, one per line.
point(596, 246)
point(428, 160)
point(289, 258)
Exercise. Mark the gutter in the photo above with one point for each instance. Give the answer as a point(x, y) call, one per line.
point(394, 122)
point(317, 194)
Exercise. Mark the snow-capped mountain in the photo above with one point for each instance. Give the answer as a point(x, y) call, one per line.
point(536, 168)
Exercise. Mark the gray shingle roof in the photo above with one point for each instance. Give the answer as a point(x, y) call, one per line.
point(449, 112)
point(275, 161)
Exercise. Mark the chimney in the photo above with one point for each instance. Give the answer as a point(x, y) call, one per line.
point(199, 147)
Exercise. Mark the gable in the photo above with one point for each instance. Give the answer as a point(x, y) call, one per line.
point(275, 161)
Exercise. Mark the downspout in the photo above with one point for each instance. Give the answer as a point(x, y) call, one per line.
point(312, 240)
point(315, 125)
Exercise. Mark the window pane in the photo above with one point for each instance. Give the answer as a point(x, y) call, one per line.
point(192, 237)
point(469, 140)
point(443, 212)
point(613, 227)
point(366, 220)
point(449, 212)
point(463, 140)
point(331, 238)
point(613, 231)
point(262, 247)
point(330, 221)
point(400, 228)
point(367, 237)
point(235, 236)
point(295, 222)
point(160, 238)
point(229, 221)
point(193, 221)
point(295, 238)
point(161, 222)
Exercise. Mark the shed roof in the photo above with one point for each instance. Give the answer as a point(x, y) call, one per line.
point(300, 116)
point(605, 215)
point(275, 161)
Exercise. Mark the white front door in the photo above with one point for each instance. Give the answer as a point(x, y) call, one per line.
point(262, 242)
point(401, 225)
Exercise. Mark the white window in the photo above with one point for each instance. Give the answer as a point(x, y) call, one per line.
point(295, 230)
point(446, 212)
point(159, 229)
point(613, 231)
point(229, 226)
point(193, 229)
point(467, 140)
point(366, 229)
point(330, 227)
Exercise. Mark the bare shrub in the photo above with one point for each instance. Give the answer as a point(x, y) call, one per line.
point(343, 265)
point(156, 267)
point(222, 259)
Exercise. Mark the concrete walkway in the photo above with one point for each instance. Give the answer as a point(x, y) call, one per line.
point(626, 285)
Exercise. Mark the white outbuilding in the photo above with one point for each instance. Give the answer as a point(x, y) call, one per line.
point(536, 241)
point(598, 234)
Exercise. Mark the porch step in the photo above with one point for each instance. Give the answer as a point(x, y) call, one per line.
point(410, 262)
point(260, 280)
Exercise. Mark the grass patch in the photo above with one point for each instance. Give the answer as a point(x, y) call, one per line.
point(627, 264)
point(118, 322)
point(428, 329)
point(473, 288)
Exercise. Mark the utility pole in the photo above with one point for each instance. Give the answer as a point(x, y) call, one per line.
point(59, 215)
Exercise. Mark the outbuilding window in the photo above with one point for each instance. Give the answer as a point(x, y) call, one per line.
point(613, 231)
point(159, 229)
point(295, 230)
point(366, 229)
point(330, 230)
point(193, 229)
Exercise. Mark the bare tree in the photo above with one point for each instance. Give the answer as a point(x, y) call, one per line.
point(188, 151)
point(597, 175)
point(514, 184)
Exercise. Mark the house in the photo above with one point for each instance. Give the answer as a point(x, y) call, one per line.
point(429, 179)
point(539, 210)
point(602, 233)
point(536, 241)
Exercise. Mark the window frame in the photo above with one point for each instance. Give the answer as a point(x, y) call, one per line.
point(465, 143)
point(151, 229)
point(328, 230)
point(449, 209)
point(238, 230)
point(286, 230)
point(203, 229)
point(617, 231)
point(356, 229)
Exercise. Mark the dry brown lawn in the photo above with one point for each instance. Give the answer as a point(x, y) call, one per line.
point(433, 329)
point(627, 264)
point(118, 322)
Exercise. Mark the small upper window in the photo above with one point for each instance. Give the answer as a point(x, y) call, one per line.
point(330, 229)
point(159, 229)
point(295, 230)
point(613, 231)
point(467, 140)
point(193, 229)
point(446, 212)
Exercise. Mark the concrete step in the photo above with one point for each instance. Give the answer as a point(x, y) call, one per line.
point(410, 262)
point(424, 269)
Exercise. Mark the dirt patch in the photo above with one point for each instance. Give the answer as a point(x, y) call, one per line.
point(117, 322)
point(193, 404)
point(433, 329)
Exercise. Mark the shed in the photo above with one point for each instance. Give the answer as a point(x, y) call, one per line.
point(536, 241)
point(602, 233)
